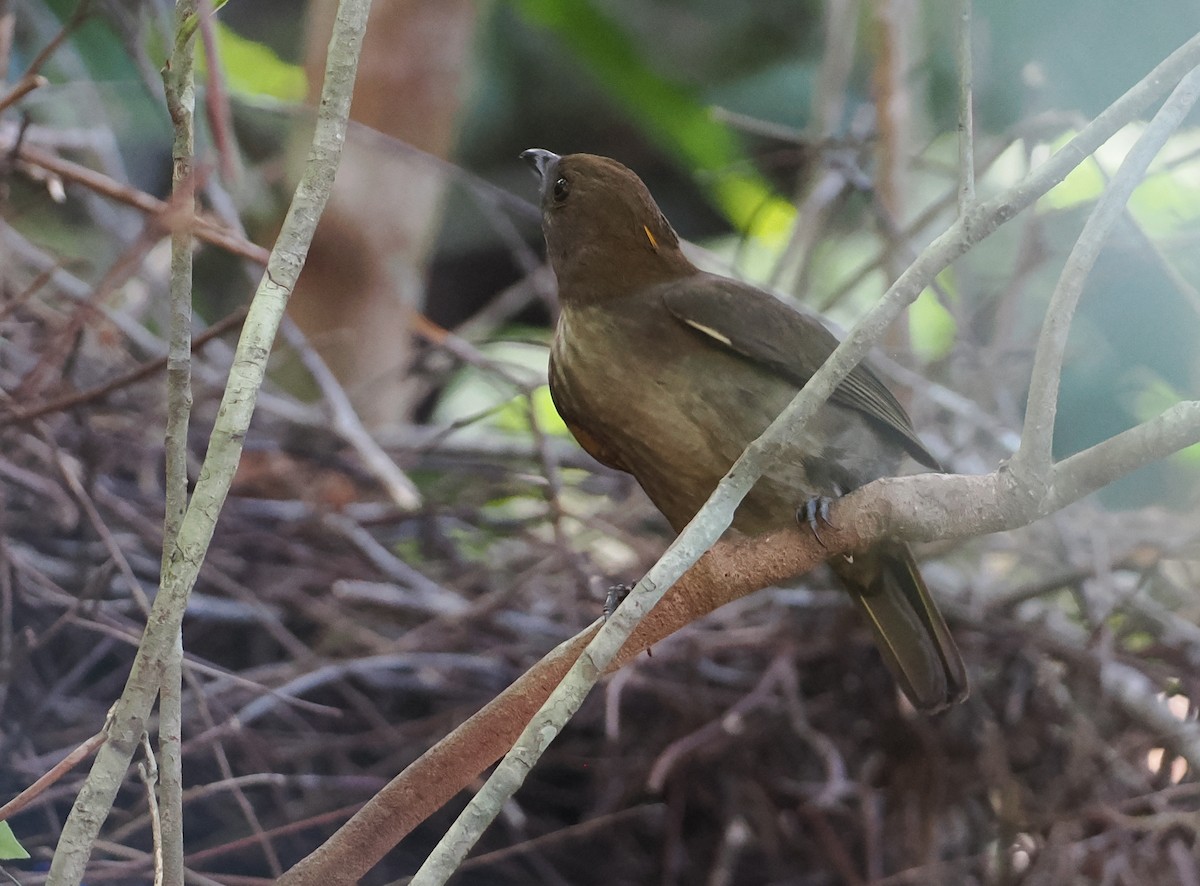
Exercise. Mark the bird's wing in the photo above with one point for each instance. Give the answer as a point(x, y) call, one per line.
point(788, 343)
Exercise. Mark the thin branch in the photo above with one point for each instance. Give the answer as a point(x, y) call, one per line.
point(179, 88)
point(840, 32)
point(203, 228)
point(237, 406)
point(24, 414)
point(69, 473)
point(31, 79)
point(840, 26)
point(57, 771)
point(82, 11)
point(148, 772)
point(25, 85)
point(1034, 455)
point(966, 112)
point(348, 425)
point(216, 104)
point(58, 349)
point(1097, 466)
point(926, 507)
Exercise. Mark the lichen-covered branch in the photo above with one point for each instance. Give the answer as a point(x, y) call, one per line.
point(180, 90)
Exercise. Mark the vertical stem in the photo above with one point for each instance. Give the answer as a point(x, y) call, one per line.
point(966, 112)
point(127, 720)
point(179, 82)
point(894, 32)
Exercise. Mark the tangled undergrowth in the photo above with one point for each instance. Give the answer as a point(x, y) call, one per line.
point(333, 638)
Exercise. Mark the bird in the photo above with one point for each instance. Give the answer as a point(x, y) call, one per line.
point(667, 372)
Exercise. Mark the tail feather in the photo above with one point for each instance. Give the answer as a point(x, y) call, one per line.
point(911, 633)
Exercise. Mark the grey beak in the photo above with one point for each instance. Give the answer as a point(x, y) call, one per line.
point(541, 161)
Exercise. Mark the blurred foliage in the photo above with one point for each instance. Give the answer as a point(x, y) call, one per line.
point(475, 390)
point(932, 325)
point(639, 80)
point(254, 68)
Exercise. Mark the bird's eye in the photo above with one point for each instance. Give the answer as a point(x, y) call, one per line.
point(561, 189)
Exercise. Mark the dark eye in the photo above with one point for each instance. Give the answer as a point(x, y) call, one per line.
point(561, 189)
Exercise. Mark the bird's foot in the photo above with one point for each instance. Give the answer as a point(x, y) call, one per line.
point(815, 512)
point(613, 598)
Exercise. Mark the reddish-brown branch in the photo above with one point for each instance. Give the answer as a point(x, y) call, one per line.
point(203, 228)
point(728, 571)
point(57, 771)
point(19, 415)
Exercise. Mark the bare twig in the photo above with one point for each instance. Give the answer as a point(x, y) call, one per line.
point(891, 28)
point(57, 352)
point(31, 79)
point(148, 772)
point(220, 119)
point(391, 565)
point(69, 474)
point(179, 88)
point(51, 777)
point(25, 85)
point(102, 184)
point(841, 35)
point(24, 414)
point(82, 11)
point(348, 425)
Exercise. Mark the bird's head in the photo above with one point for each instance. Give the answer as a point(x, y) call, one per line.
point(602, 225)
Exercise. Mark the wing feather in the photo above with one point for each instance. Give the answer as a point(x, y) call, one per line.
point(786, 342)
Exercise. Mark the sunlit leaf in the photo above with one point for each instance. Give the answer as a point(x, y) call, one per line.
point(931, 327)
point(1147, 395)
point(10, 847)
point(479, 392)
point(1083, 184)
point(254, 69)
point(674, 119)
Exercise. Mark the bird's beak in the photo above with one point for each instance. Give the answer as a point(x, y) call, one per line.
point(541, 161)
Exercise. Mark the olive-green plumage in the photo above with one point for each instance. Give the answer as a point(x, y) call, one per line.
point(668, 373)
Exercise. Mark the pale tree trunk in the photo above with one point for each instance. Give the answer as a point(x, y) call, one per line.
point(366, 269)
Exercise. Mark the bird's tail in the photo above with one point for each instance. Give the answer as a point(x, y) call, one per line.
point(911, 633)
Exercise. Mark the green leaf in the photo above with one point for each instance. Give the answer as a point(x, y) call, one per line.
point(254, 69)
point(1083, 184)
point(1146, 394)
point(670, 116)
point(478, 395)
point(514, 415)
point(932, 328)
point(10, 848)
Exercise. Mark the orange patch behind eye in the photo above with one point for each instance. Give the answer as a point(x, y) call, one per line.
point(650, 237)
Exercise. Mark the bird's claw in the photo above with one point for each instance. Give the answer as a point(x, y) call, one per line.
point(814, 512)
point(613, 598)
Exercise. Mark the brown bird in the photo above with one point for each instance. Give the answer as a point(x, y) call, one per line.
point(668, 373)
